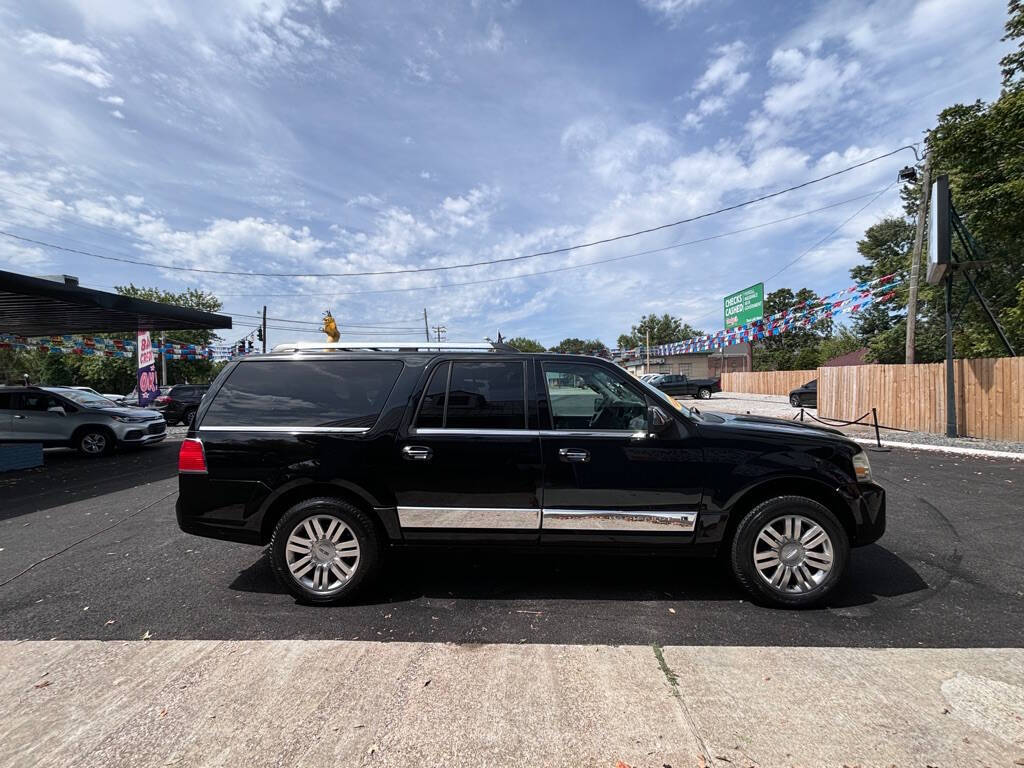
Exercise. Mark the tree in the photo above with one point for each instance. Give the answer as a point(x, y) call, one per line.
point(56, 372)
point(180, 371)
point(524, 344)
point(1013, 63)
point(797, 348)
point(664, 329)
point(882, 327)
point(573, 346)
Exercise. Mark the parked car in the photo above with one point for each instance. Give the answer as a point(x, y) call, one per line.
point(805, 396)
point(180, 403)
point(331, 456)
point(676, 384)
point(116, 398)
point(64, 416)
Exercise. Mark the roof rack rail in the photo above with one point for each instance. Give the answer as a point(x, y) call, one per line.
point(402, 346)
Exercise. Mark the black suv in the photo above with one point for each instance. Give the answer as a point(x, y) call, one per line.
point(330, 454)
point(180, 402)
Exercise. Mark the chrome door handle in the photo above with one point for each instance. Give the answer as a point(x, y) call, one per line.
point(573, 454)
point(19, 416)
point(416, 453)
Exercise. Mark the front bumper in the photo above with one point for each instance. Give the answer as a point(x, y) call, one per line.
point(141, 433)
point(867, 505)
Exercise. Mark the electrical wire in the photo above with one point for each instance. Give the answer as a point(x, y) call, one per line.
point(570, 267)
point(827, 237)
point(505, 260)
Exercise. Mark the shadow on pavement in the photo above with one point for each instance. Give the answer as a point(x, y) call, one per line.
point(67, 476)
point(874, 572)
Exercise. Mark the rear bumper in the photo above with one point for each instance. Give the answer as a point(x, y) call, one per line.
point(213, 529)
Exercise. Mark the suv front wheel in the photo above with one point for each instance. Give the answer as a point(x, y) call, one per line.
point(323, 550)
point(94, 441)
point(789, 551)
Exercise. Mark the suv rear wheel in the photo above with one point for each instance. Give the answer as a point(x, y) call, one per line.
point(789, 551)
point(323, 550)
point(94, 441)
point(188, 417)
point(704, 393)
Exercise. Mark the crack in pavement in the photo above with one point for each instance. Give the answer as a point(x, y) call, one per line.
point(673, 682)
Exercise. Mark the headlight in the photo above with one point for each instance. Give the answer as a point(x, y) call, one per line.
point(126, 419)
point(862, 467)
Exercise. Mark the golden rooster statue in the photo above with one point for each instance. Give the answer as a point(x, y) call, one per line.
point(331, 327)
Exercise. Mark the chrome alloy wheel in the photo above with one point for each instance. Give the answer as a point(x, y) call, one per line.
point(322, 553)
point(94, 443)
point(793, 554)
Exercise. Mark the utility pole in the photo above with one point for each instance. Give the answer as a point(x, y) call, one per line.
point(163, 362)
point(440, 330)
point(264, 327)
point(915, 259)
point(426, 328)
point(647, 349)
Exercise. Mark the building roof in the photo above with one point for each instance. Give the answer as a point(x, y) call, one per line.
point(857, 357)
point(38, 306)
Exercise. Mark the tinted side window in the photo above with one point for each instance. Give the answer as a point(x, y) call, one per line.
point(37, 401)
point(589, 397)
point(5, 401)
point(306, 393)
point(432, 408)
point(487, 396)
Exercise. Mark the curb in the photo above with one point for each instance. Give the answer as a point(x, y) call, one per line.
point(945, 449)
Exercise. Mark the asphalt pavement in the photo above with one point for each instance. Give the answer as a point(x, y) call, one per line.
point(89, 549)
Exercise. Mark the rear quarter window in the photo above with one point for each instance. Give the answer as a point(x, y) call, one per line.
point(304, 393)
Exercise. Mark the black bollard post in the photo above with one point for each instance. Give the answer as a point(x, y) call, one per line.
point(877, 447)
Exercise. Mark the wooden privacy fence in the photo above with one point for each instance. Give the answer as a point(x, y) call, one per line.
point(989, 403)
point(766, 382)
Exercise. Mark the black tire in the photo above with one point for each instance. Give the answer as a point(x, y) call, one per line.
point(94, 441)
point(704, 393)
point(742, 551)
point(363, 532)
point(188, 417)
point(794, 400)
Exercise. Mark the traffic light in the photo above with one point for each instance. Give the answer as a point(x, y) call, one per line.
point(259, 334)
point(249, 345)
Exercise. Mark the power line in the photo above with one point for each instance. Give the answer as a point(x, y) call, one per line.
point(387, 324)
point(857, 213)
point(508, 259)
point(582, 265)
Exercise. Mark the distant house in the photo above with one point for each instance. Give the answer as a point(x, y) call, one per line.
point(857, 357)
point(696, 365)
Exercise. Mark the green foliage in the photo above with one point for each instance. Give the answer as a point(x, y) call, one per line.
point(574, 346)
point(181, 371)
point(15, 365)
point(664, 329)
point(797, 348)
point(56, 372)
point(1013, 63)
point(524, 344)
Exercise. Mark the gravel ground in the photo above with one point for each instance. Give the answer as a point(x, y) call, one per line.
point(779, 407)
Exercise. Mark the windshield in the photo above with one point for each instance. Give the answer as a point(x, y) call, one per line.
point(85, 399)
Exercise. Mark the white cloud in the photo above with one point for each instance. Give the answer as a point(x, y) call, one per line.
point(495, 39)
point(671, 11)
point(117, 101)
point(67, 58)
point(117, 113)
point(809, 81)
point(722, 79)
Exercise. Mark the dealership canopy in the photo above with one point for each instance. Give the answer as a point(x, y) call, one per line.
point(42, 306)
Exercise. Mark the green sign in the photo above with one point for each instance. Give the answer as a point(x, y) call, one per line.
point(744, 306)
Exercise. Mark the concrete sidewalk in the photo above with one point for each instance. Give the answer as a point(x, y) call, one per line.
point(327, 703)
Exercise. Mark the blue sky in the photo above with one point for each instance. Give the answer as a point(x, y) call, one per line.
point(344, 135)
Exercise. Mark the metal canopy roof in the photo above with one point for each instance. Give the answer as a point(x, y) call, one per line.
point(35, 306)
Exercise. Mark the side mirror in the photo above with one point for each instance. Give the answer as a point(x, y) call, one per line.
point(657, 420)
point(57, 409)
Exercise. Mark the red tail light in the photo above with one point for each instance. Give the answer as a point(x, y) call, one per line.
point(162, 400)
point(191, 457)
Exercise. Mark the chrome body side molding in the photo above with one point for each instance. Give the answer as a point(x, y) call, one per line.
point(617, 520)
point(468, 517)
